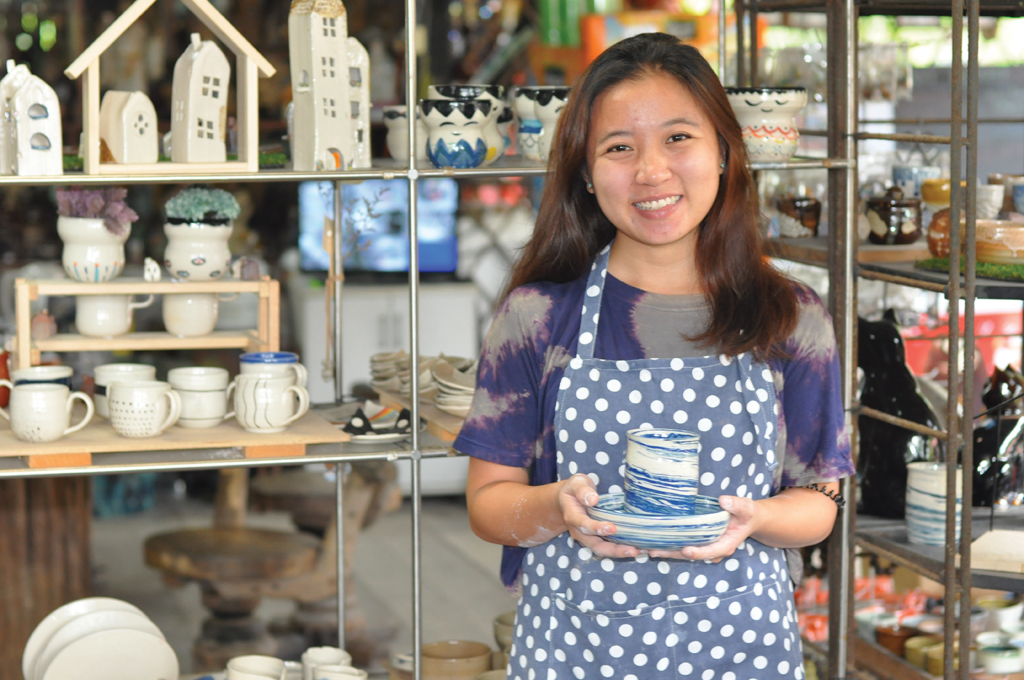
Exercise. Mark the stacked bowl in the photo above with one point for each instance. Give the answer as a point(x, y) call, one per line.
point(660, 508)
point(455, 387)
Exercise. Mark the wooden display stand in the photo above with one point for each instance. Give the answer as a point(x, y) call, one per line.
point(265, 338)
point(814, 251)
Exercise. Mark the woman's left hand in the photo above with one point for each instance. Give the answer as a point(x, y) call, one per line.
point(742, 523)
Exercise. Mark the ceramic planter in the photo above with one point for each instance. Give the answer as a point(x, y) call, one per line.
point(455, 131)
point(493, 93)
point(530, 129)
point(766, 115)
point(197, 251)
point(395, 120)
point(92, 254)
point(893, 218)
point(549, 103)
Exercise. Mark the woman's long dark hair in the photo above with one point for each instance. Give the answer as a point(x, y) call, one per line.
point(753, 307)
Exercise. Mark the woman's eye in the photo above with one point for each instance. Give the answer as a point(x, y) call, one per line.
point(617, 147)
point(679, 137)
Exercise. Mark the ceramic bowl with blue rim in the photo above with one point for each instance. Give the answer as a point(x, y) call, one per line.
point(269, 358)
point(662, 468)
point(661, 532)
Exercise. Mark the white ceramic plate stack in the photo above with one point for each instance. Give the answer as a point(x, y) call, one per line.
point(384, 370)
point(454, 387)
point(426, 378)
point(98, 638)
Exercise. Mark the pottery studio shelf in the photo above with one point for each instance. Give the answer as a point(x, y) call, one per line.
point(907, 275)
point(888, 539)
point(264, 338)
point(442, 425)
point(814, 251)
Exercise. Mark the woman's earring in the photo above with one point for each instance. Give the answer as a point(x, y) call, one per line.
point(722, 166)
point(589, 185)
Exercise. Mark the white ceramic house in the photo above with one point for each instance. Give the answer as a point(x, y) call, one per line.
point(330, 88)
point(250, 65)
point(199, 116)
point(30, 126)
point(128, 127)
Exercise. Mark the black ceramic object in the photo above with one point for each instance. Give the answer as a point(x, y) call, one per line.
point(885, 450)
point(998, 476)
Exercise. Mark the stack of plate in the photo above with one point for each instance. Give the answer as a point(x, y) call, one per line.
point(455, 386)
point(405, 375)
point(384, 370)
point(661, 532)
point(98, 638)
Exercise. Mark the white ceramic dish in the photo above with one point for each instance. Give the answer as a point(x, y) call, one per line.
point(115, 655)
point(661, 532)
point(56, 619)
point(460, 411)
point(87, 624)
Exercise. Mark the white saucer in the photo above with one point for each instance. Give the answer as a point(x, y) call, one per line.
point(115, 655)
point(58, 617)
point(87, 624)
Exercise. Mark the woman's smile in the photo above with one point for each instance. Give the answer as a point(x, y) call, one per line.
point(654, 204)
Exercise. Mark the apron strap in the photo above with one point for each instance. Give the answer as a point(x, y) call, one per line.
point(592, 305)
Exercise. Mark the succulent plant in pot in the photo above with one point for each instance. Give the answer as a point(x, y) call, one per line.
point(199, 223)
point(94, 225)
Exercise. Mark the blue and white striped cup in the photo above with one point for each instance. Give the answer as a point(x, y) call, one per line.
point(926, 503)
point(662, 467)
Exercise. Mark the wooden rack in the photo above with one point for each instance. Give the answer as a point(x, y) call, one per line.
point(264, 338)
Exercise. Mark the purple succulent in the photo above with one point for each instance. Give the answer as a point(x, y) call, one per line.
point(104, 203)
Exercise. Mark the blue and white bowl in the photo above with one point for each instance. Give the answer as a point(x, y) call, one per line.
point(926, 503)
point(661, 471)
point(661, 532)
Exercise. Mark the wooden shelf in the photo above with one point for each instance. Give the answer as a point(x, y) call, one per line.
point(133, 285)
point(99, 437)
point(442, 425)
point(814, 251)
point(157, 340)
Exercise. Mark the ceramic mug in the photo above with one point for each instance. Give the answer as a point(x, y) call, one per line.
point(926, 503)
point(204, 395)
point(105, 374)
point(264, 403)
point(142, 408)
point(190, 315)
point(279, 364)
point(41, 412)
point(323, 656)
point(43, 374)
point(549, 103)
point(989, 201)
point(495, 94)
point(530, 128)
point(255, 667)
point(106, 316)
point(909, 178)
point(338, 672)
point(396, 121)
point(661, 471)
point(455, 131)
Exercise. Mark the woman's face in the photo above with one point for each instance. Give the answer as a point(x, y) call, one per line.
point(654, 161)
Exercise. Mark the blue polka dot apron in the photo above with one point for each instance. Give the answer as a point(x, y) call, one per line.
point(581, 616)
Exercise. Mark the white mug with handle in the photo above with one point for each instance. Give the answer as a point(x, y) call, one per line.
point(142, 408)
point(264, 402)
point(41, 412)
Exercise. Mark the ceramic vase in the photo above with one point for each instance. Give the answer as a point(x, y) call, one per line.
point(528, 135)
point(926, 503)
point(396, 122)
point(197, 251)
point(493, 93)
point(455, 128)
point(549, 104)
point(766, 115)
point(92, 254)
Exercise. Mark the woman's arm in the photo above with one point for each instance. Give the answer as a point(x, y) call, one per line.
point(505, 509)
point(794, 518)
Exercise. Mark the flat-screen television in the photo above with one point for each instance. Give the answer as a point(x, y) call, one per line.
point(375, 225)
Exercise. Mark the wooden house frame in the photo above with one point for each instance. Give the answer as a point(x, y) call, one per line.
point(249, 67)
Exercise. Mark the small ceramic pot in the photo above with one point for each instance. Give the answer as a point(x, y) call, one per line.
point(504, 630)
point(530, 128)
point(894, 219)
point(909, 178)
point(798, 216)
point(91, 253)
point(938, 233)
point(455, 131)
point(549, 103)
point(989, 201)
point(1007, 182)
point(204, 395)
point(397, 141)
point(493, 93)
point(455, 659)
point(999, 241)
point(41, 412)
point(894, 638)
point(936, 191)
point(338, 672)
point(323, 656)
point(277, 364)
point(926, 503)
point(1002, 612)
point(767, 118)
point(868, 621)
point(661, 471)
point(60, 375)
point(189, 315)
point(254, 667)
point(916, 648)
point(266, 403)
point(505, 120)
point(107, 374)
point(142, 408)
point(106, 316)
point(1003, 659)
point(197, 251)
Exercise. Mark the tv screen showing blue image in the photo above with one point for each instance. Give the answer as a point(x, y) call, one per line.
point(375, 225)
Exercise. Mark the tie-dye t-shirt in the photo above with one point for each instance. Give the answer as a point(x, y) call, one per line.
point(534, 335)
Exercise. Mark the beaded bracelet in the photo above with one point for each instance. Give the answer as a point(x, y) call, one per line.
point(835, 496)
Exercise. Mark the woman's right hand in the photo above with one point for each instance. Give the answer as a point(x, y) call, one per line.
point(576, 495)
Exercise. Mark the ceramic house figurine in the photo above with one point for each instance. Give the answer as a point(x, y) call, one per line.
point(199, 116)
point(199, 61)
point(128, 131)
point(30, 127)
point(330, 88)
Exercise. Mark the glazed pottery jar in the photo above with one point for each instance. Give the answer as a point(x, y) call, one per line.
point(798, 215)
point(455, 131)
point(894, 219)
point(528, 136)
point(1000, 241)
point(106, 316)
point(493, 93)
point(92, 253)
point(766, 115)
point(396, 121)
point(197, 251)
point(549, 104)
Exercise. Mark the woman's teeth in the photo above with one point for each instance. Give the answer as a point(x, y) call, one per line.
point(655, 205)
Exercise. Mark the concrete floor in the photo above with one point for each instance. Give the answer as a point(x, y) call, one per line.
point(461, 590)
